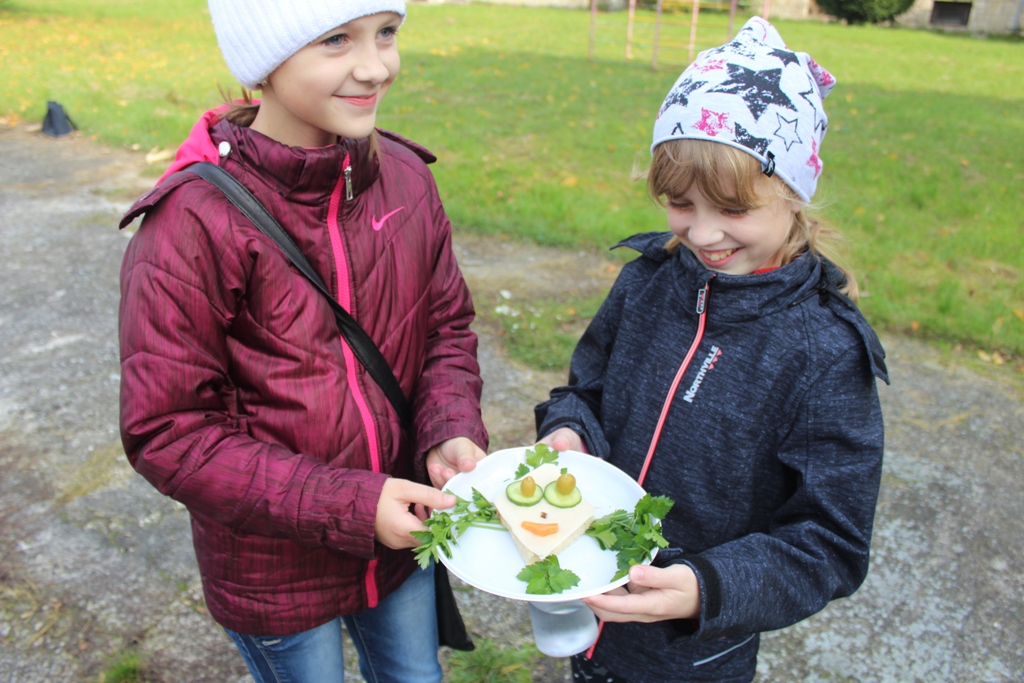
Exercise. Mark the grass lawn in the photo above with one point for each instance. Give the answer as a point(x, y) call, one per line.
point(922, 168)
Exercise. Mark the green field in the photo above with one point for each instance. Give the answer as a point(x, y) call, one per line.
point(922, 165)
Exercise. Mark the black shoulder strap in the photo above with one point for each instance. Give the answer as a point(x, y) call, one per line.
point(360, 342)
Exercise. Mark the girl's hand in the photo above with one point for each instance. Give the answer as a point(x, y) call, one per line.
point(394, 520)
point(564, 439)
point(652, 594)
point(450, 457)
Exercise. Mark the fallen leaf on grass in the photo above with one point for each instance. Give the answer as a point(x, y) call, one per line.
point(156, 155)
point(995, 357)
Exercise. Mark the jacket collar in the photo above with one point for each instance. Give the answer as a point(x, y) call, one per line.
point(299, 174)
point(307, 176)
point(740, 298)
point(735, 298)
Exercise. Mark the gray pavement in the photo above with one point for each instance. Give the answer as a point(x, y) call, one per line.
point(94, 562)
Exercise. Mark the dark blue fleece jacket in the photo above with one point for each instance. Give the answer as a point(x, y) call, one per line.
point(772, 447)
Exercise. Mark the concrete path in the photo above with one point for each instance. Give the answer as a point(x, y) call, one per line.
point(94, 562)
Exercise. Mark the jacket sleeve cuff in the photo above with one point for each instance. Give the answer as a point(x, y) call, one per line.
point(570, 411)
point(339, 509)
point(710, 584)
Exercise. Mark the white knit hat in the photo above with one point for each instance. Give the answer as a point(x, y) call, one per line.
point(257, 36)
point(758, 96)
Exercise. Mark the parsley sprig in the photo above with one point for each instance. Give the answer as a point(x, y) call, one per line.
point(539, 455)
point(445, 526)
point(632, 536)
point(547, 577)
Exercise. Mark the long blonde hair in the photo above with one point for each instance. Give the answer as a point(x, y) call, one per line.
point(678, 164)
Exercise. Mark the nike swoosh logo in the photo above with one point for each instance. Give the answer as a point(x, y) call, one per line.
point(378, 224)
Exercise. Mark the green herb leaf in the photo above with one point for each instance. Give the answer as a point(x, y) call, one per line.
point(539, 455)
point(426, 549)
point(444, 527)
point(652, 506)
point(605, 538)
point(632, 536)
point(612, 530)
point(547, 577)
point(485, 511)
point(522, 471)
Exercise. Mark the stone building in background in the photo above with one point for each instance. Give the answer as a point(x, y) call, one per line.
point(979, 16)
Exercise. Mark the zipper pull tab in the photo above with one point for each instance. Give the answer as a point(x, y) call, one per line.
point(348, 183)
point(702, 296)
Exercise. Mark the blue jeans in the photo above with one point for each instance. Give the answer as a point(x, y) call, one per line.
point(396, 642)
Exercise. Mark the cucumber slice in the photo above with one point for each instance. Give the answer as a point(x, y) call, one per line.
point(514, 492)
point(562, 500)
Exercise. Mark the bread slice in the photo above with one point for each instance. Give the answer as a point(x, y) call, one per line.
point(572, 522)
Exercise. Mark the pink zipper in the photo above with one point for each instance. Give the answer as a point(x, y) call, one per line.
point(702, 312)
point(352, 365)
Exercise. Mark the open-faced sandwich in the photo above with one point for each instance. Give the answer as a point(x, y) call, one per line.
point(544, 512)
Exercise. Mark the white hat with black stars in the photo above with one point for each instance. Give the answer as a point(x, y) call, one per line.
point(754, 94)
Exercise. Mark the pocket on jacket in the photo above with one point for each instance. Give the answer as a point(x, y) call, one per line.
point(727, 659)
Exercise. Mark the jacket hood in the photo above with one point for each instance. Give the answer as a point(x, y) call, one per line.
point(197, 146)
point(738, 298)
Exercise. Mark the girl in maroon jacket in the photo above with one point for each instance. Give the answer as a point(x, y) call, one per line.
point(239, 397)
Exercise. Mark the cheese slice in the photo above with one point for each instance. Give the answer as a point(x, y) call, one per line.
point(572, 522)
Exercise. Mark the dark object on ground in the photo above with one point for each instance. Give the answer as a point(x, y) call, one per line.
point(865, 11)
point(57, 124)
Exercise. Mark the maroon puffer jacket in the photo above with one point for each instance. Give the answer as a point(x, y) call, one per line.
point(240, 399)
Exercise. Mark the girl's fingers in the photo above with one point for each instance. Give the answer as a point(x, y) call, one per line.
point(563, 439)
point(450, 457)
point(655, 594)
point(468, 454)
point(646, 606)
point(656, 577)
point(439, 475)
point(421, 512)
point(426, 496)
point(398, 507)
point(436, 474)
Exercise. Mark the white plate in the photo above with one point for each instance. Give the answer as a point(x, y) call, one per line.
point(488, 559)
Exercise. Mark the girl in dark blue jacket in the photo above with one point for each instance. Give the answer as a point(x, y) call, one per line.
point(730, 370)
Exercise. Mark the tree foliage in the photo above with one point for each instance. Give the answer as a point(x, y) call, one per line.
point(865, 11)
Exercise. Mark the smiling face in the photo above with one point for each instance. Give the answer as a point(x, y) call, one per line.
point(332, 87)
point(723, 208)
point(727, 237)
